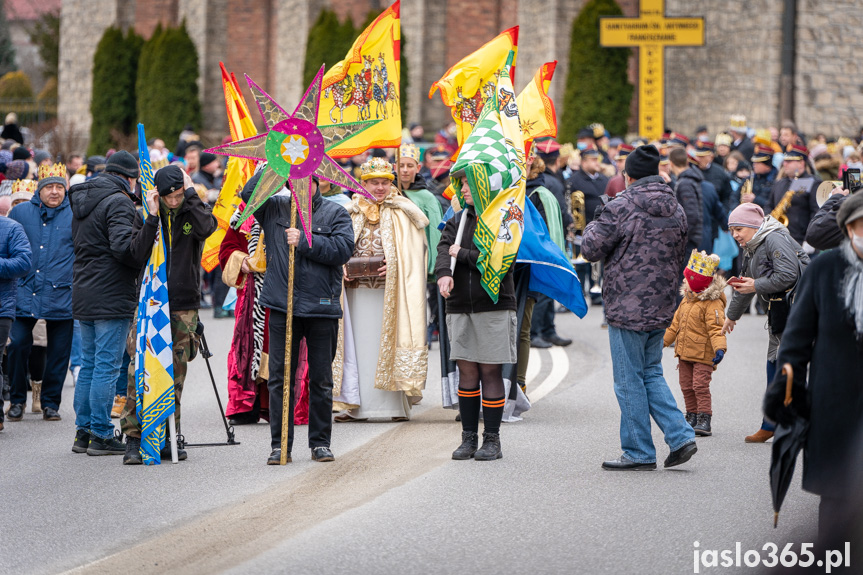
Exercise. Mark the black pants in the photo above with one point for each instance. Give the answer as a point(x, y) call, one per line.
point(5, 326)
point(57, 359)
point(321, 339)
point(542, 322)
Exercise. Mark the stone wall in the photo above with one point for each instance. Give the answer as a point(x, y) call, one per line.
point(81, 27)
point(829, 88)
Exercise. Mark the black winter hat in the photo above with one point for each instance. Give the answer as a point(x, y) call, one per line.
point(123, 163)
point(643, 162)
point(21, 153)
point(851, 209)
point(168, 180)
point(207, 158)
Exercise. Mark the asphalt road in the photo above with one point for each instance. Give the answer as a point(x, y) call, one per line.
point(393, 501)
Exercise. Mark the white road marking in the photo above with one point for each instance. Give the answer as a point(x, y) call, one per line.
point(559, 369)
point(534, 364)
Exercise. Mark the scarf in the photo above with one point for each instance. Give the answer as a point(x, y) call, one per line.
point(852, 288)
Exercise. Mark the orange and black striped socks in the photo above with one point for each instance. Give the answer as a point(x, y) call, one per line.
point(468, 407)
point(492, 413)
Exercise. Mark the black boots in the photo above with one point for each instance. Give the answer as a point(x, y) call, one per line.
point(110, 446)
point(133, 451)
point(691, 418)
point(82, 441)
point(469, 444)
point(490, 449)
point(702, 425)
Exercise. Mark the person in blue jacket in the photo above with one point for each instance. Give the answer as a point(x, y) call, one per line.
point(45, 292)
point(14, 263)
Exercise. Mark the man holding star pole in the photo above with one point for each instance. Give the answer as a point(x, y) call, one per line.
point(296, 150)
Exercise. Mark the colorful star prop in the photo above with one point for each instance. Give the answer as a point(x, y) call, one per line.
point(295, 148)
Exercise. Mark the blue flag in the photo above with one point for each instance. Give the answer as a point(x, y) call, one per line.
point(550, 271)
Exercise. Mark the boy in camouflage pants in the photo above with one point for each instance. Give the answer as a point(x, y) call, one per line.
point(185, 348)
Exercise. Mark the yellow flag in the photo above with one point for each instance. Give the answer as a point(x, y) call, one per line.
point(365, 86)
point(467, 86)
point(535, 108)
point(237, 173)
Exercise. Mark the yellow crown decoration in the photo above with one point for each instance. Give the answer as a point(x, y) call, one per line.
point(410, 151)
point(723, 140)
point(377, 168)
point(738, 122)
point(598, 130)
point(702, 263)
point(28, 186)
point(566, 150)
point(58, 170)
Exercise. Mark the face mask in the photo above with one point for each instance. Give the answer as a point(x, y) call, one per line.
point(857, 241)
point(582, 146)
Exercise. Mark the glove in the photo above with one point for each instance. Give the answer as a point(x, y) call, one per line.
point(720, 353)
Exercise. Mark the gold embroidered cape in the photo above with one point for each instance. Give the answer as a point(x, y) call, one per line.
point(403, 359)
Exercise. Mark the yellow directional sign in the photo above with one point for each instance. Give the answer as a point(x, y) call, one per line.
point(651, 32)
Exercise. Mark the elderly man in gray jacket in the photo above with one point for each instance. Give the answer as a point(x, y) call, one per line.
point(772, 265)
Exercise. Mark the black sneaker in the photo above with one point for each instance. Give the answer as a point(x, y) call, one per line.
point(165, 453)
point(322, 454)
point(275, 457)
point(133, 452)
point(16, 412)
point(539, 343)
point(469, 445)
point(681, 456)
point(110, 446)
point(555, 339)
point(82, 440)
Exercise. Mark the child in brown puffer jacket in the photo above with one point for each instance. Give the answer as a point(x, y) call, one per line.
point(697, 331)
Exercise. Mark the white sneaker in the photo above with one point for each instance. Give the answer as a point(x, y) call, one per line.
point(75, 371)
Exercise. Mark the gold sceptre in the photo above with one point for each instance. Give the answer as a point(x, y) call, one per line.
point(289, 332)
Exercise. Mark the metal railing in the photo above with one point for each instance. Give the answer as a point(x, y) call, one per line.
point(30, 111)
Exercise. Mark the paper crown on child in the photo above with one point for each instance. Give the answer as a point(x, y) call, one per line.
point(27, 186)
point(377, 168)
point(700, 269)
point(410, 151)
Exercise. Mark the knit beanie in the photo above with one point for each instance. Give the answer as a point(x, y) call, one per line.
point(643, 162)
point(168, 180)
point(700, 270)
point(17, 170)
point(21, 153)
point(747, 215)
point(206, 158)
point(122, 163)
point(851, 209)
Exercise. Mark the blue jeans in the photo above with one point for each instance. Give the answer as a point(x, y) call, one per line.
point(75, 358)
point(642, 392)
point(771, 373)
point(102, 343)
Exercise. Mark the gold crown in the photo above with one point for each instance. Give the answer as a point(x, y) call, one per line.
point(28, 186)
point(598, 130)
point(410, 151)
point(738, 122)
point(566, 150)
point(56, 171)
point(723, 140)
point(376, 168)
point(703, 264)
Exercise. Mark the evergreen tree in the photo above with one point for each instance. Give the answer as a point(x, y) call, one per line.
point(171, 85)
point(146, 78)
point(7, 50)
point(15, 86)
point(597, 87)
point(45, 35)
point(324, 39)
point(113, 106)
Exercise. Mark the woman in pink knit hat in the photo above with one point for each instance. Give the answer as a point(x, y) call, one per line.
point(772, 265)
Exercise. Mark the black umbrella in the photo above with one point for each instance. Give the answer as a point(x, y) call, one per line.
point(788, 440)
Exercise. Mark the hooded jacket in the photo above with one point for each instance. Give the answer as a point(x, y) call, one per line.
point(46, 291)
point(775, 261)
point(14, 263)
point(641, 238)
point(688, 192)
point(192, 223)
point(318, 273)
point(107, 258)
point(697, 323)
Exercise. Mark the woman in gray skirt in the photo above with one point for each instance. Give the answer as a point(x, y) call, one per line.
point(482, 335)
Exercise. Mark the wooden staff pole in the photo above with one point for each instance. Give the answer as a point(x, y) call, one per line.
point(289, 329)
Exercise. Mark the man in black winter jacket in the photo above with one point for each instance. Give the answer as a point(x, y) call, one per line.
point(108, 260)
point(186, 222)
point(317, 308)
point(688, 192)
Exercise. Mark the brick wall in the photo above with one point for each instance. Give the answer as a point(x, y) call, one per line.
point(356, 9)
point(148, 13)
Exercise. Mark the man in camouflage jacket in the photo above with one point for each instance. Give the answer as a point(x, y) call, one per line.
point(640, 236)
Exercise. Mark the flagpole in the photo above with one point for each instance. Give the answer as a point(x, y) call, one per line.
point(172, 429)
point(289, 332)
